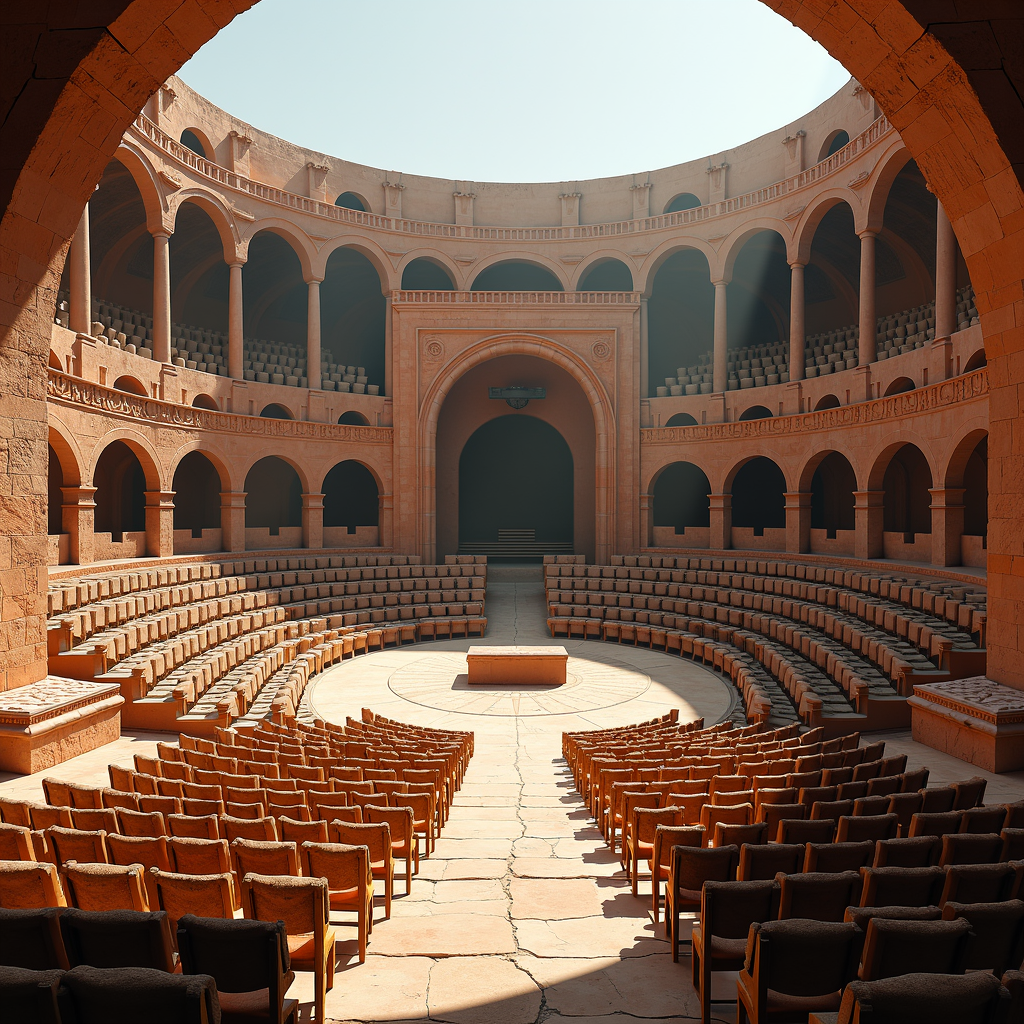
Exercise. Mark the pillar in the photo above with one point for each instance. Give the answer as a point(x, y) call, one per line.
point(232, 520)
point(721, 339)
point(797, 331)
point(389, 346)
point(798, 522)
point(867, 319)
point(646, 520)
point(80, 273)
point(313, 336)
point(313, 521)
point(78, 521)
point(645, 351)
point(947, 507)
point(161, 297)
point(721, 520)
point(945, 301)
point(159, 524)
point(235, 323)
point(386, 520)
point(868, 511)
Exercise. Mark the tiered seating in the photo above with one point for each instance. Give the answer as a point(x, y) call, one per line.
point(196, 646)
point(750, 827)
point(757, 366)
point(207, 351)
point(259, 823)
point(799, 641)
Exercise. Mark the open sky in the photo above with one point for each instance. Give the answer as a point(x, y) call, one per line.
point(514, 90)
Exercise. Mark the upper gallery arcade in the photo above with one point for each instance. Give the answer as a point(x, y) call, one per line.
point(774, 347)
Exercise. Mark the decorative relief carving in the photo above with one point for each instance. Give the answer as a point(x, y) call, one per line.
point(49, 698)
point(976, 697)
point(601, 351)
point(433, 349)
point(62, 388)
point(948, 392)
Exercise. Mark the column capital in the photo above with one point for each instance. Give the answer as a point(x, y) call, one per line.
point(868, 232)
point(312, 500)
point(947, 497)
point(720, 501)
point(233, 499)
point(238, 261)
point(798, 499)
point(798, 262)
point(313, 279)
point(161, 232)
point(160, 499)
point(78, 495)
point(868, 499)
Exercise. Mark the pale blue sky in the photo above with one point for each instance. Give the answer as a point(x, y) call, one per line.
point(514, 90)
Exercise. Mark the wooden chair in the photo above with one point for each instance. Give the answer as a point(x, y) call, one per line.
point(293, 831)
point(16, 843)
point(690, 868)
point(185, 826)
point(972, 997)
point(665, 837)
point(142, 824)
point(376, 837)
point(105, 886)
point(75, 844)
point(349, 881)
point(302, 904)
point(640, 837)
point(28, 885)
point(252, 856)
point(263, 829)
point(405, 843)
point(180, 894)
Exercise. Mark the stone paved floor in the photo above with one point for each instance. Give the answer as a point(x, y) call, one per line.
point(521, 914)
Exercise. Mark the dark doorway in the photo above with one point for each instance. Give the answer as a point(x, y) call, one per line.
point(516, 489)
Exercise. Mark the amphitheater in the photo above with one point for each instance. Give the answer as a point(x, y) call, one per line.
point(738, 435)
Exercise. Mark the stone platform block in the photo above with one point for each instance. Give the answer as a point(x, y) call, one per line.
point(517, 666)
point(975, 719)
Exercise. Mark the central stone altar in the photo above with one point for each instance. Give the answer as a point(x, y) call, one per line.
point(517, 666)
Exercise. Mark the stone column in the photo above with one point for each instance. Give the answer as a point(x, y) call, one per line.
point(232, 520)
point(866, 318)
point(313, 335)
point(385, 520)
point(78, 521)
point(313, 521)
point(798, 522)
point(646, 520)
point(721, 520)
point(80, 273)
point(945, 300)
point(645, 352)
point(159, 524)
point(868, 521)
point(389, 345)
point(721, 372)
point(947, 524)
point(161, 297)
point(797, 331)
point(235, 323)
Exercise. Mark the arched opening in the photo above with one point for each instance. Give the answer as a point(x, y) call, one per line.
point(974, 541)
point(130, 385)
point(275, 412)
point(681, 419)
point(681, 325)
point(353, 313)
point(607, 276)
point(756, 412)
point(54, 494)
point(516, 276)
point(832, 498)
point(273, 504)
point(53, 362)
point(206, 402)
point(827, 402)
point(196, 504)
point(350, 201)
point(275, 311)
point(835, 142)
point(907, 504)
point(683, 201)
point(759, 504)
point(681, 507)
point(976, 362)
point(424, 275)
point(566, 408)
point(351, 506)
point(190, 140)
point(120, 483)
point(353, 418)
point(516, 489)
point(899, 385)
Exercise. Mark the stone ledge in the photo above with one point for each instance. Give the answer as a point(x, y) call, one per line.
point(975, 719)
point(47, 722)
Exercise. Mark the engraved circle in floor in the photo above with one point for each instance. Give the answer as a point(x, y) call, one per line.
point(439, 680)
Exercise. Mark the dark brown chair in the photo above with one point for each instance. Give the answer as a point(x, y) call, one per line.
point(118, 938)
point(893, 947)
point(934, 823)
point(794, 831)
point(865, 806)
point(935, 998)
point(141, 994)
point(794, 968)
point(983, 819)
point(969, 793)
point(937, 800)
point(818, 895)
point(727, 911)
point(860, 916)
point(760, 863)
point(905, 806)
point(689, 869)
point(906, 887)
point(739, 835)
point(998, 928)
point(833, 857)
point(970, 848)
point(1013, 844)
point(31, 939)
point(914, 780)
point(978, 883)
point(912, 852)
point(873, 827)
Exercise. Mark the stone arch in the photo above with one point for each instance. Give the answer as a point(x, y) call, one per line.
point(348, 500)
point(65, 446)
point(600, 405)
point(953, 474)
point(643, 278)
point(895, 158)
point(834, 141)
point(218, 459)
point(344, 198)
point(680, 419)
point(275, 451)
point(208, 148)
point(831, 479)
point(682, 201)
point(131, 385)
point(205, 401)
point(729, 477)
point(594, 259)
point(829, 401)
point(390, 280)
point(899, 386)
point(538, 259)
point(730, 249)
point(353, 418)
point(758, 486)
point(277, 411)
point(680, 496)
point(217, 210)
point(134, 160)
point(279, 504)
point(975, 361)
point(197, 493)
point(755, 412)
point(437, 257)
point(297, 240)
point(803, 233)
point(156, 478)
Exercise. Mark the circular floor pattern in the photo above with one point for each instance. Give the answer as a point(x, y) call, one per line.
point(439, 680)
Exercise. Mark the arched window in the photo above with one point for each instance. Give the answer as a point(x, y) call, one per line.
point(827, 402)
point(759, 496)
point(351, 496)
point(516, 276)
point(424, 275)
point(898, 386)
point(196, 487)
point(273, 496)
point(756, 412)
point(276, 412)
point(205, 402)
point(190, 140)
point(683, 201)
point(130, 385)
point(353, 418)
point(833, 144)
point(680, 497)
point(607, 276)
point(681, 419)
point(350, 201)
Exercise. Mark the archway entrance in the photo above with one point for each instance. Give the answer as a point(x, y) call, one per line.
point(516, 490)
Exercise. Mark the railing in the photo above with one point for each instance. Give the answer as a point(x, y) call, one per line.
point(62, 388)
point(230, 179)
point(948, 392)
point(520, 298)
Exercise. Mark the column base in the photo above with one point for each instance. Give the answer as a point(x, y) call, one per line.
point(974, 719)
